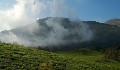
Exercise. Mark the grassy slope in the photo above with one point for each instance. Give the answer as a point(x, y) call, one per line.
point(92, 61)
point(14, 57)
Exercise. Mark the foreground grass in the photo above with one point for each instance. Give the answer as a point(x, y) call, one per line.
point(16, 57)
point(90, 61)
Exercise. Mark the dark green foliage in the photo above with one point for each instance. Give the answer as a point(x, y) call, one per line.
point(113, 53)
point(85, 51)
point(105, 35)
point(53, 65)
point(91, 61)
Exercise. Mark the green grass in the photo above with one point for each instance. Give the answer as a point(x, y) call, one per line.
point(18, 57)
point(14, 57)
point(92, 61)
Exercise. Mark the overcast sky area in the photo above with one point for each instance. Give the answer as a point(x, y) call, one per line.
point(96, 10)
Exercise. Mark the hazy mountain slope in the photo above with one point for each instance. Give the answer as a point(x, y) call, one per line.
point(105, 35)
point(64, 34)
point(49, 32)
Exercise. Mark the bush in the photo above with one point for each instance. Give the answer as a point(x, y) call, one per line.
point(113, 53)
point(53, 65)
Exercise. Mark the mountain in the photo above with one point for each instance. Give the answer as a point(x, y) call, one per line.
point(57, 33)
point(105, 35)
point(113, 22)
point(70, 39)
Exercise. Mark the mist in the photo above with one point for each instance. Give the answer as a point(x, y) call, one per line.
point(20, 24)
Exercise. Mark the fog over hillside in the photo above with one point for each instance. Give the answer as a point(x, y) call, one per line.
point(25, 12)
point(25, 24)
point(49, 31)
point(19, 24)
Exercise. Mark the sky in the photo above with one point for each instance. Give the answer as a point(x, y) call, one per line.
point(94, 10)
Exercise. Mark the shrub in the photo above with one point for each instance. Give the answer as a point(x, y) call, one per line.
point(53, 65)
point(113, 53)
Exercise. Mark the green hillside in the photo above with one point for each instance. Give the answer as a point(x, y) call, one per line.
point(18, 57)
point(104, 35)
point(66, 33)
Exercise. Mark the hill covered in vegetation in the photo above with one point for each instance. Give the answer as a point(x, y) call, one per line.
point(13, 56)
point(104, 35)
point(60, 34)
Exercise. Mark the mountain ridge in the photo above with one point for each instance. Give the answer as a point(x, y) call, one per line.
point(115, 21)
point(104, 35)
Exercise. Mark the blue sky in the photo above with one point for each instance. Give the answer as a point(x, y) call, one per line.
point(97, 10)
point(4, 4)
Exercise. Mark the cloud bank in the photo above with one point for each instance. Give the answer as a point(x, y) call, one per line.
point(21, 18)
point(25, 12)
point(21, 14)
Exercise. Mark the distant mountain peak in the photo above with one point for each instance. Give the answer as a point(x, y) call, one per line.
point(115, 21)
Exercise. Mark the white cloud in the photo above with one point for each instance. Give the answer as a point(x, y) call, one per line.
point(25, 12)
point(22, 13)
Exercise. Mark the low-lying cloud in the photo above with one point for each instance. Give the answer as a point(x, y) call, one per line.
point(21, 18)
